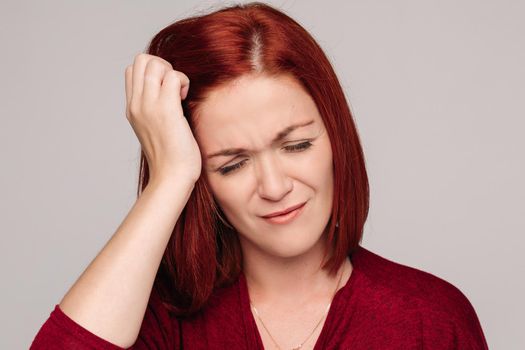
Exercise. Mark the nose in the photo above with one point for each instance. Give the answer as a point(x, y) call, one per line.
point(272, 182)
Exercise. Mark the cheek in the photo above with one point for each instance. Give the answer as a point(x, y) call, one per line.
point(321, 165)
point(229, 195)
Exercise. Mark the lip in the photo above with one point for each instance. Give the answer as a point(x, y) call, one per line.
point(288, 217)
point(282, 212)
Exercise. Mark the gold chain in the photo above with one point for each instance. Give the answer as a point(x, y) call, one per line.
point(317, 325)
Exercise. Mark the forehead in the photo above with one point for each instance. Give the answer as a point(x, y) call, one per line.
point(247, 112)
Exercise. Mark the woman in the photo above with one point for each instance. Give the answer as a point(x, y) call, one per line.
point(252, 198)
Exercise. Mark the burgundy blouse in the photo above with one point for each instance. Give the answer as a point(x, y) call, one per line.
point(383, 305)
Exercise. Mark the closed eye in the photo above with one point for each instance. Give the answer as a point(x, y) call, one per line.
point(299, 147)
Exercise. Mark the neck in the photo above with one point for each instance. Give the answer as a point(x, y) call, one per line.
point(292, 280)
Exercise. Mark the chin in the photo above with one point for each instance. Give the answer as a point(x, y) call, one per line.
point(290, 248)
point(285, 243)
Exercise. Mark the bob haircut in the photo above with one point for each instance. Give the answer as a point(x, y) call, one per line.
point(204, 252)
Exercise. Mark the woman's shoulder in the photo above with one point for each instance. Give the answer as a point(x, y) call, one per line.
point(390, 276)
point(410, 284)
point(405, 294)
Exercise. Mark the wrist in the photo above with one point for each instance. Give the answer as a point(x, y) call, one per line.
point(174, 181)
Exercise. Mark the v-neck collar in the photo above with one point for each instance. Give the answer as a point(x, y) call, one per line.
point(253, 337)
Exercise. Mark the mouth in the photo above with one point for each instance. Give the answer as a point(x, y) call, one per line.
point(285, 216)
point(282, 212)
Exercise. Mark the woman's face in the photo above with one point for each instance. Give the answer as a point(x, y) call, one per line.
point(264, 173)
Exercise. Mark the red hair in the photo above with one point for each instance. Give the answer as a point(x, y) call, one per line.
point(213, 49)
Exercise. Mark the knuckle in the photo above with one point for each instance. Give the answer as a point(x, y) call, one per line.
point(167, 64)
point(134, 108)
point(184, 75)
point(184, 78)
point(154, 67)
point(174, 78)
point(154, 63)
point(163, 62)
point(141, 58)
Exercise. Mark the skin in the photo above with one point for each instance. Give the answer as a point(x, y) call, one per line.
point(110, 297)
point(281, 262)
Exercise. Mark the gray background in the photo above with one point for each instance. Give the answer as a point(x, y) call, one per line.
point(437, 89)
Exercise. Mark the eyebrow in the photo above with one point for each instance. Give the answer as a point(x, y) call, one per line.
point(281, 135)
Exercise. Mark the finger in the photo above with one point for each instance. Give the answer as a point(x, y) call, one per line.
point(177, 86)
point(139, 65)
point(184, 90)
point(185, 85)
point(173, 84)
point(153, 74)
point(128, 81)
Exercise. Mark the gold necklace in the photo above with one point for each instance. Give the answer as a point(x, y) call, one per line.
point(317, 325)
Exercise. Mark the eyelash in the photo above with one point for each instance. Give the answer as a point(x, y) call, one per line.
point(299, 147)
